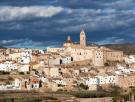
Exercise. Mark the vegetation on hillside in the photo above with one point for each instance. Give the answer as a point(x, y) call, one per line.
point(126, 48)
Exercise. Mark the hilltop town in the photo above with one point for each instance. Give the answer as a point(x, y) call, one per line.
point(71, 67)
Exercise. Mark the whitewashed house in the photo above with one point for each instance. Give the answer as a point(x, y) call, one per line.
point(66, 60)
point(8, 66)
point(84, 70)
point(100, 80)
point(9, 83)
point(25, 57)
point(17, 83)
point(124, 71)
point(130, 59)
point(59, 81)
point(107, 79)
point(24, 68)
point(92, 81)
point(43, 79)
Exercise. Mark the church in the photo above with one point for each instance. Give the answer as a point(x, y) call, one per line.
point(81, 52)
point(82, 40)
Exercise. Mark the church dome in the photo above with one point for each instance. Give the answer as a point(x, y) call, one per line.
point(69, 40)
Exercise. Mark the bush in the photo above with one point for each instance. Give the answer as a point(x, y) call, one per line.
point(28, 72)
point(59, 85)
point(60, 90)
point(3, 72)
point(106, 64)
point(21, 73)
point(90, 94)
point(83, 86)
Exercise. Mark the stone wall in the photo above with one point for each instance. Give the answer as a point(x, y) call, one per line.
point(105, 99)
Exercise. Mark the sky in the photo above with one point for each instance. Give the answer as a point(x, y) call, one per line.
point(47, 23)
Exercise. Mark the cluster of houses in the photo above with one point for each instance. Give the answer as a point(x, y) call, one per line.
point(64, 68)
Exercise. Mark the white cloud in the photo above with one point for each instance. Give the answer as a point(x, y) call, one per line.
point(7, 41)
point(8, 13)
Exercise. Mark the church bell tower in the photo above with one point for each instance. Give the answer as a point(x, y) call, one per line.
point(82, 38)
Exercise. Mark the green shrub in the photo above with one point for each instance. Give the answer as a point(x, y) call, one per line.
point(106, 64)
point(90, 94)
point(60, 90)
point(28, 72)
point(83, 86)
point(21, 73)
point(3, 72)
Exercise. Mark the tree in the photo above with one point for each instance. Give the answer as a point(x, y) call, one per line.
point(116, 93)
point(84, 86)
point(21, 73)
point(106, 64)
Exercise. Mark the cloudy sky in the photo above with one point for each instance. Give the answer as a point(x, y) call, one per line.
point(46, 23)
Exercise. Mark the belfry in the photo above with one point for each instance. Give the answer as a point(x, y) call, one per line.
point(82, 38)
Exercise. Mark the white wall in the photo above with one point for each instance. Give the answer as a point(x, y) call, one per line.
point(23, 68)
point(8, 66)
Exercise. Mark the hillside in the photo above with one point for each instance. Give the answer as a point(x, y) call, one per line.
point(126, 48)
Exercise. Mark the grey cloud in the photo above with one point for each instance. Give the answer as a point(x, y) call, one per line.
point(28, 43)
point(111, 40)
point(104, 20)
